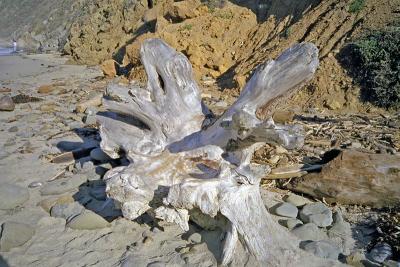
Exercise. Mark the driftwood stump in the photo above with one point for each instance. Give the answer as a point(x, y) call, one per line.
point(181, 161)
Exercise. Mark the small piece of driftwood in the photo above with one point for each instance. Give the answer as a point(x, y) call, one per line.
point(292, 171)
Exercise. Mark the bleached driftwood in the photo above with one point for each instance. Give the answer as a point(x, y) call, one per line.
point(179, 162)
point(343, 181)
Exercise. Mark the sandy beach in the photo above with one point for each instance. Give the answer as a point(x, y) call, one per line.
point(39, 208)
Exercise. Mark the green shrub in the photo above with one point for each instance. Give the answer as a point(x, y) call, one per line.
point(356, 6)
point(287, 32)
point(376, 58)
point(186, 27)
point(213, 4)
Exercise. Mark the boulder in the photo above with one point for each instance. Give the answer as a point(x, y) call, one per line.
point(322, 249)
point(296, 200)
point(87, 220)
point(309, 231)
point(286, 210)
point(292, 223)
point(340, 233)
point(317, 213)
point(99, 155)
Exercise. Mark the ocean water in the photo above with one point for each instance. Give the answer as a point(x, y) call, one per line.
point(6, 51)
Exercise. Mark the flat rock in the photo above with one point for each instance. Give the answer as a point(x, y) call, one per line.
point(67, 210)
point(322, 249)
point(12, 196)
point(99, 155)
point(309, 231)
point(63, 185)
point(316, 213)
point(340, 233)
point(6, 103)
point(283, 116)
point(286, 210)
point(292, 223)
point(296, 200)
point(87, 220)
point(15, 234)
point(48, 203)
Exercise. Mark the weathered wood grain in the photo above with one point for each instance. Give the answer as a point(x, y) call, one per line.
point(176, 166)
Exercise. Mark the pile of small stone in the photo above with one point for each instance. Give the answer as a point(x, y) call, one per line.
point(326, 234)
point(321, 232)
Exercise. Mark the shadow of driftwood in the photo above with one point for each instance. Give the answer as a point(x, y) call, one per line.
point(350, 61)
point(212, 238)
point(92, 195)
point(3, 262)
point(145, 28)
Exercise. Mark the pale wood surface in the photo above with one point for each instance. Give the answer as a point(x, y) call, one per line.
point(177, 167)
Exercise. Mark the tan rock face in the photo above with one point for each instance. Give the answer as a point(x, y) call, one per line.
point(97, 36)
point(182, 10)
point(232, 39)
point(109, 68)
point(208, 38)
